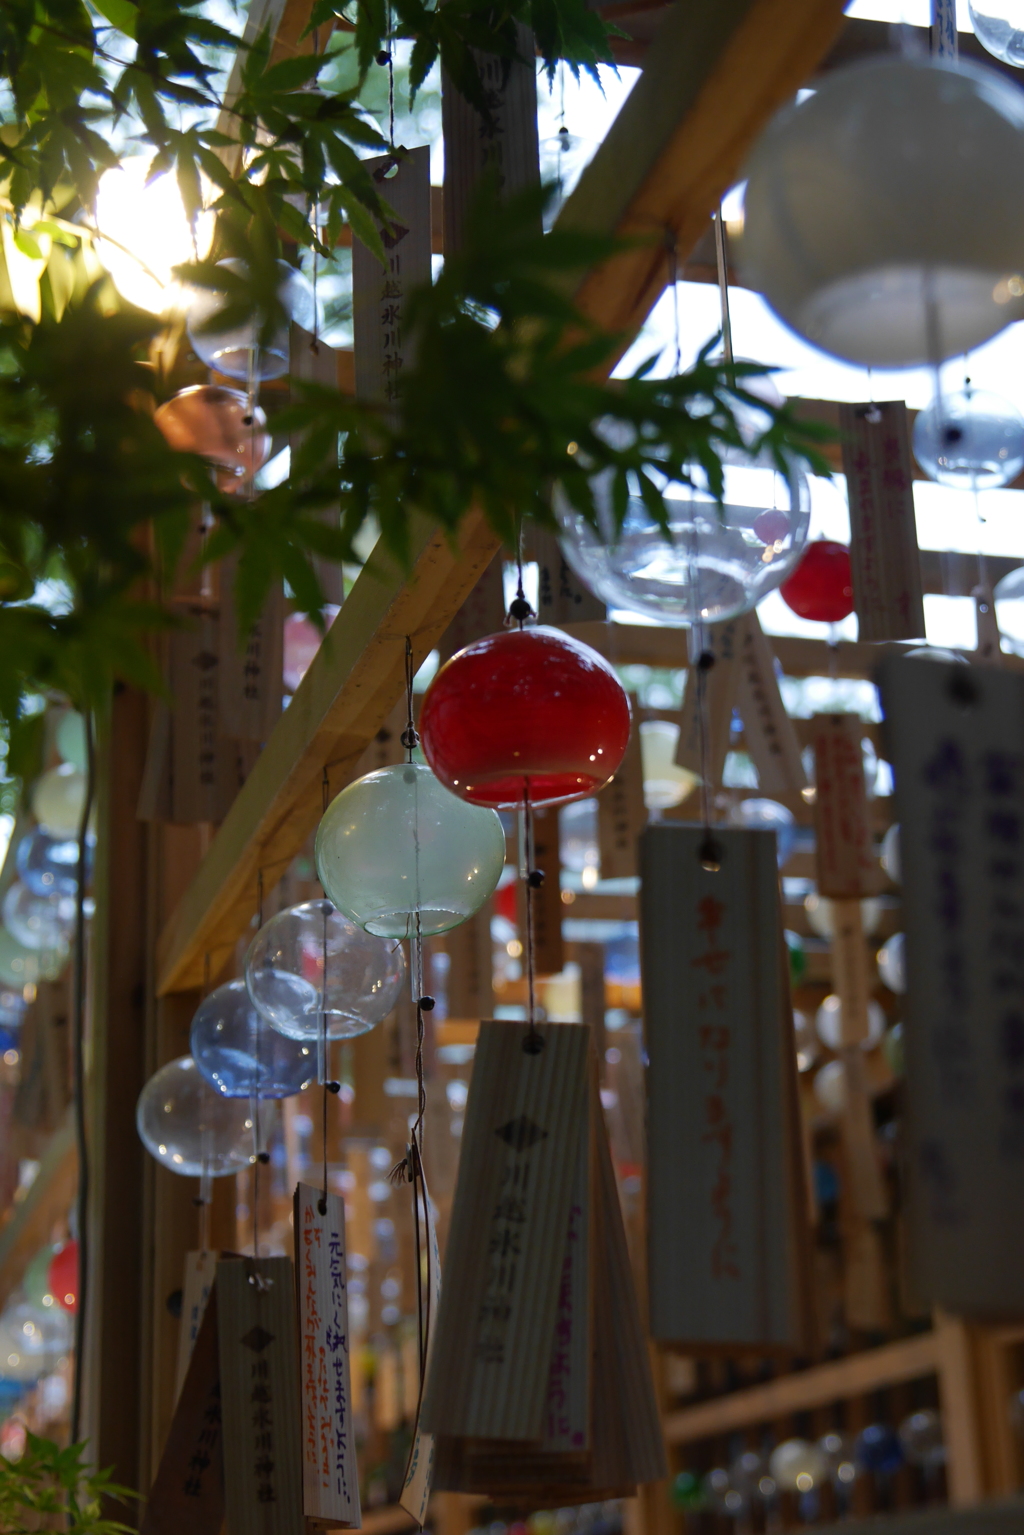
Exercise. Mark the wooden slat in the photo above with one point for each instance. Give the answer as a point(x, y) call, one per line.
point(857, 1374)
point(354, 681)
point(714, 76)
point(48, 1200)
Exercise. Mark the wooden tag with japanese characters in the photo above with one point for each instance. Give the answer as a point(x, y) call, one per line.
point(380, 295)
point(847, 863)
point(719, 684)
point(259, 1370)
point(768, 731)
point(251, 673)
point(200, 1272)
point(482, 613)
point(195, 727)
point(330, 1476)
point(561, 596)
point(727, 1245)
point(884, 556)
point(188, 1491)
point(506, 1246)
point(956, 738)
point(504, 144)
point(471, 968)
point(621, 812)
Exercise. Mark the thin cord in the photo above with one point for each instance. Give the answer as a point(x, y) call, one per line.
point(79, 1065)
point(391, 82)
point(533, 1044)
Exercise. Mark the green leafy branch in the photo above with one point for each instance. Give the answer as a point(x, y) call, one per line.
point(49, 1481)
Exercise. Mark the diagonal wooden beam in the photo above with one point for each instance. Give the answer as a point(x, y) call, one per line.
point(716, 72)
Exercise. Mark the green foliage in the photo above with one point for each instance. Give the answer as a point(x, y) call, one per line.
point(50, 1481)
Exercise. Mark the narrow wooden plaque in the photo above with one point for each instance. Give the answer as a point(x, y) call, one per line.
point(956, 738)
point(251, 674)
point(188, 1491)
point(259, 1369)
point(195, 687)
point(878, 465)
point(505, 146)
point(768, 731)
point(380, 295)
point(490, 1362)
point(330, 1476)
point(989, 649)
point(548, 949)
point(727, 1241)
point(721, 686)
point(847, 863)
point(621, 813)
point(471, 968)
point(562, 597)
point(200, 1272)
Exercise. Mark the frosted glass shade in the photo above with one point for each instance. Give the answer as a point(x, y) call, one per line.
point(189, 1128)
point(238, 1052)
point(311, 960)
point(397, 843)
point(231, 348)
point(884, 215)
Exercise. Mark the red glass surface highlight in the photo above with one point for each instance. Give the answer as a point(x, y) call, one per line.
point(63, 1277)
point(821, 586)
point(529, 710)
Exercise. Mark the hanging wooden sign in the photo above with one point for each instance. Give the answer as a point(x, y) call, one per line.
point(188, 1490)
point(562, 597)
point(259, 1371)
point(847, 862)
point(721, 684)
point(621, 812)
point(419, 1472)
point(768, 731)
point(251, 672)
point(548, 948)
point(590, 958)
point(313, 361)
point(884, 556)
point(200, 1272)
point(503, 144)
point(956, 738)
point(330, 1476)
point(727, 1239)
point(471, 968)
point(380, 295)
point(482, 613)
point(194, 686)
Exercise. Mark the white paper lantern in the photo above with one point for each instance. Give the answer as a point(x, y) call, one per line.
point(884, 215)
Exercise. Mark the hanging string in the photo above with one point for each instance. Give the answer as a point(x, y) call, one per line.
point(391, 81)
point(533, 1044)
point(722, 263)
point(78, 1048)
point(519, 609)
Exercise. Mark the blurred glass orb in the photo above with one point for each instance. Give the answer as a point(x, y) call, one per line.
point(36, 1281)
point(920, 1435)
point(688, 1492)
point(20, 966)
point(746, 1473)
point(808, 1046)
point(38, 921)
point(58, 800)
point(830, 1087)
point(884, 215)
point(894, 1051)
point(890, 853)
point(665, 782)
point(563, 158)
point(231, 349)
point(188, 1127)
point(970, 440)
point(892, 964)
point(770, 815)
point(798, 1466)
point(1009, 601)
point(48, 865)
point(721, 1495)
point(397, 843)
point(821, 587)
point(999, 27)
point(577, 836)
point(238, 1052)
point(70, 740)
point(310, 960)
point(829, 1022)
point(879, 1449)
point(839, 1450)
point(32, 1340)
point(216, 423)
point(819, 914)
point(715, 561)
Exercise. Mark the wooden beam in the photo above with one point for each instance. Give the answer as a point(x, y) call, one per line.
point(857, 1374)
point(714, 76)
point(356, 678)
point(47, 1201)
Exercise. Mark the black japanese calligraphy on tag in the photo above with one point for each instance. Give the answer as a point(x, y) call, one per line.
point(884, 556)
point(188, 1491)
point(251, 673)
point(380, 294)
point(195, 717)
point(956, 741)
point(621, 812)
point(259, 1370)
point(330, 1476)
point(471, 968)
point(200, 1272)
point(562, 597)
point(727, 1241)
point(847, 862)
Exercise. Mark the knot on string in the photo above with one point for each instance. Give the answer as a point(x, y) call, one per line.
point(710, 855)
point(384, 57)
point(263, 1157)
point(321, 1204)
point(410, 738)
point(519, 610)
point(533, 1044)
point(535, 878)
point(425, 1004)
point(198, 1201)
point(333, 1087)
point(705, 661)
